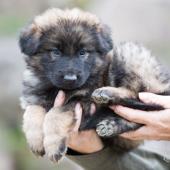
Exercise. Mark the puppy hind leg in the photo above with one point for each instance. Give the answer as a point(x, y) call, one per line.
point(112, 126)
point(108, 124)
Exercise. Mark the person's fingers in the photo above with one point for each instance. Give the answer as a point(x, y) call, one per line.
point(155, 99)
point(130, 135)
point(60, 98)
point(78, 115)
point(135, 135)
point(92, 109)
point(138, 134)
point(133, 115)
point(143, 133)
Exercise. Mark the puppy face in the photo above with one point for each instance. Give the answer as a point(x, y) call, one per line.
point(65, 46)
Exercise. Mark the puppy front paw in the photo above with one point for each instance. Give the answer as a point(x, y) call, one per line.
point(101, 96)
point(57, 125)
point(33, 128)
point(111, 95)
point(37, 149)
point(55, 147)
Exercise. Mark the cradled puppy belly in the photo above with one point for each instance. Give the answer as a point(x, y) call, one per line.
point(108, 124)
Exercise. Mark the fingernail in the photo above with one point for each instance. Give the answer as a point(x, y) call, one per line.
point(113, 107)
point(77, 107)
point(60, 94)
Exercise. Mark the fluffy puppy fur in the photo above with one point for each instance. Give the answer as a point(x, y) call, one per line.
point(68, 49)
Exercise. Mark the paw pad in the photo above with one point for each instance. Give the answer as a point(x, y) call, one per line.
point(105, 128)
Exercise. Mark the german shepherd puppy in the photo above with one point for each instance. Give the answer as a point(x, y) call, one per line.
point(69, 50)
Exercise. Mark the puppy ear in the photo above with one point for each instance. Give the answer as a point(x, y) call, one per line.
point(29, 40)
point(105, 39)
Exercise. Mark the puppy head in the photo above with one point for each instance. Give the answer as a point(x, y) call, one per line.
point(66, 45)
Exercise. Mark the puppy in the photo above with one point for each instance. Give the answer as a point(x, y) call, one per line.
point(69, 50)
point(64, 49)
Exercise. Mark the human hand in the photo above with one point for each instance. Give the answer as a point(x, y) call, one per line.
point(156, 123)
point(84, 141)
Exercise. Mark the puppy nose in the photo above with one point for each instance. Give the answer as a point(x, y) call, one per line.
point(70, 77)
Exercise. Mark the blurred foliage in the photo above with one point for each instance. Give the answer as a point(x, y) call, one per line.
point(9, 25)
point(80, 3)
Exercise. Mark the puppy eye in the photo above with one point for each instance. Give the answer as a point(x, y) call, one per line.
point(56, 52)
point(82, 52)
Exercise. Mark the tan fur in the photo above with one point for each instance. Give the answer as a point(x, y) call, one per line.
point(33, 120)
point(101, 95)
point(52, 16)
point(47, 133)
point(33, 29)
point(143, 64)
point(119, 92)
point(50, 132)
point(57, 125)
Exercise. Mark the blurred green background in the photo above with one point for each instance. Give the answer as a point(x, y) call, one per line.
point(131, 20)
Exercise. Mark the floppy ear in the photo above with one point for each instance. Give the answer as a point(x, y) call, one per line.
point(29, 40)
point(105, 39)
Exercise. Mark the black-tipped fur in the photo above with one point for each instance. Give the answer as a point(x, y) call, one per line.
point(53, 47)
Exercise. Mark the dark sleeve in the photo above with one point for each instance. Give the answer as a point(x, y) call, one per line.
point(95, 161)
point(113, 159)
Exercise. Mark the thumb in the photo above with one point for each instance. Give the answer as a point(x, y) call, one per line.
point(60, 98)
point(151, 98)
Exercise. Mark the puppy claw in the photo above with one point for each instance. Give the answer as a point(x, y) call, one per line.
point(38, 152)
point(55, 158)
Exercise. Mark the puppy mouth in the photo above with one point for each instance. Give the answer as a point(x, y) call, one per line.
point(70, 77)
point(70, 85)
point(68, 81)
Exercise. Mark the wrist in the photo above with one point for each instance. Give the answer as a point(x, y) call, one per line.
point(88, 148)
point(71, 151)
